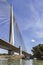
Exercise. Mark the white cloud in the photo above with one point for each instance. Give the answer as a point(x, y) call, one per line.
point(32, 40)
point(39, 34)
point(34, 22)
point(2, 0)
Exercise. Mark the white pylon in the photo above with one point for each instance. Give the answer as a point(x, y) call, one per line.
point(11, 38)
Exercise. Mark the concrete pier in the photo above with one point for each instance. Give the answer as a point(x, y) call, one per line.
point(10, 52)
point(20, 52)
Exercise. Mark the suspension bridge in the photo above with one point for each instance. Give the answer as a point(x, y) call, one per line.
point(10, 46)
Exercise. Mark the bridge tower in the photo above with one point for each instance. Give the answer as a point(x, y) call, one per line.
point(11, 34)
point(12, 20)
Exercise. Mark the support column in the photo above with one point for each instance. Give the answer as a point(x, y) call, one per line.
point(10, 52)
point(20, 52)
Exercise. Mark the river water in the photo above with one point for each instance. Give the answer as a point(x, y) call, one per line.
point(20, 62)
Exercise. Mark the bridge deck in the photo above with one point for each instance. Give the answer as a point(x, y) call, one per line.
point(7, 46)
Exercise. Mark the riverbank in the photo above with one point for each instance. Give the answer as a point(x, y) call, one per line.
point(12, 56)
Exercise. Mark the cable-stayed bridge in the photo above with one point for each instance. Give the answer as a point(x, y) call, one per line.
point(15, 37)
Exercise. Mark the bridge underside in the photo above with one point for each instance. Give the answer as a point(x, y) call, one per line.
point(9, 47)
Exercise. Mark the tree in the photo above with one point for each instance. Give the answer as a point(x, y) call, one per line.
point(38, 51)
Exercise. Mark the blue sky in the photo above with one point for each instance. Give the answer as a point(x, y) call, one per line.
point(29, 16)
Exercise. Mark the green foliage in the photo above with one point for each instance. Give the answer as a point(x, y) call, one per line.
point(38, 51)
